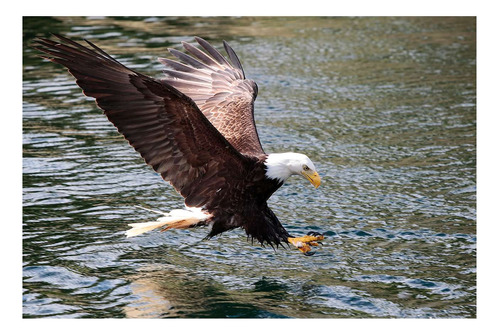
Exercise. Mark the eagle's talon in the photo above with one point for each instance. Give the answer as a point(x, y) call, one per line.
point(305, 243)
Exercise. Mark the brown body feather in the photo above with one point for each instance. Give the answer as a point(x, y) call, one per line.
point(196, 129)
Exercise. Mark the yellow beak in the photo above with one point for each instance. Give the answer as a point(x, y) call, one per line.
point(313, 177)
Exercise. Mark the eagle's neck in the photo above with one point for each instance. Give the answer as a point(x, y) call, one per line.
point(279, 166)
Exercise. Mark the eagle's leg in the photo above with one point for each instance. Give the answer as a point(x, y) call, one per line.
point(304, 243)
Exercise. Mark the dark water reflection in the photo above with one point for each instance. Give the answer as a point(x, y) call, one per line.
point(384, 106)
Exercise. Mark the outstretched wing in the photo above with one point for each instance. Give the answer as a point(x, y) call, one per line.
point(220, 90)
point(162, 124)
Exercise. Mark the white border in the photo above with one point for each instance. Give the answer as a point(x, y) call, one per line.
point(487, 134)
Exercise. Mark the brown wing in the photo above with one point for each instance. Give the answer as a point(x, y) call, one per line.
point(220, 90)
point(162, 124)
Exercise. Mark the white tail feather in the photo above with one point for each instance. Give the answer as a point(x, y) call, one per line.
point(178, 218)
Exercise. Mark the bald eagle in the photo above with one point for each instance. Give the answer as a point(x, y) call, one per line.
point(196, 129)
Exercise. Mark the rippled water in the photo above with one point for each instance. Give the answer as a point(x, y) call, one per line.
point(385, 107)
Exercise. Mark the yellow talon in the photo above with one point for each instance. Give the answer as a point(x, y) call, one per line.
point(304, 243)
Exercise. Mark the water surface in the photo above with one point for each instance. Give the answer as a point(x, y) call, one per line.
point(385, 107)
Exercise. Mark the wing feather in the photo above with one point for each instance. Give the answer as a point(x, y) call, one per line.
point(200, 55)
point(188, 59)
point(212, 51)
point(234, 58)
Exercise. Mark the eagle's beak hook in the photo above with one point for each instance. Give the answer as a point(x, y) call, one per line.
point(313, 177)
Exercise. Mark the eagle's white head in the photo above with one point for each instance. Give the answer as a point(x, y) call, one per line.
point(281, 166)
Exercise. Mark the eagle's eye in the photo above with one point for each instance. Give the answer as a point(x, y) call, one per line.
point(305, 167)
